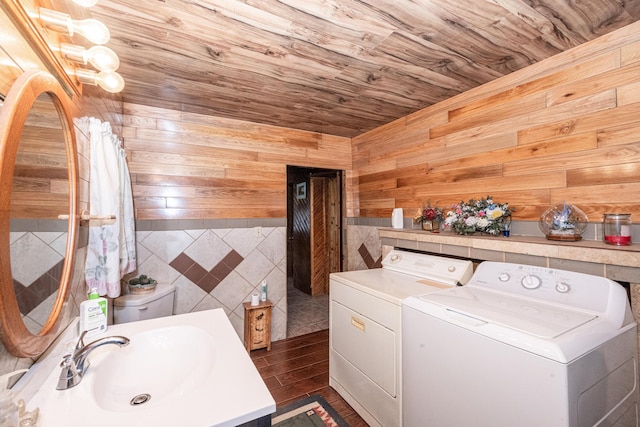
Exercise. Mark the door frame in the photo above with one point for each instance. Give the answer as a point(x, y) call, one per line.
point(337, 246)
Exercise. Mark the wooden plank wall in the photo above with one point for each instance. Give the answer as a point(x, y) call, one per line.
point(40, 186)
point(567, 128)
point(194, 166)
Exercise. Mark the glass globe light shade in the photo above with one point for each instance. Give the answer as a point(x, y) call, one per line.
point(92, 29)
point(101, 57)
point(107, 80)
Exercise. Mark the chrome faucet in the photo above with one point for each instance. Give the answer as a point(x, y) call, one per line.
point(75, 365)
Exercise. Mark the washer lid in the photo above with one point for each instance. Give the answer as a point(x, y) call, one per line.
point(525, 315)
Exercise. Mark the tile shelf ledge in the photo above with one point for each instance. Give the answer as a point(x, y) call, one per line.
point(585, 250)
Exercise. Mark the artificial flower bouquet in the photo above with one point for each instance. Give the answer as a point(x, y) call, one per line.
point(430, 217)
point(484, 216)
point(428, 213)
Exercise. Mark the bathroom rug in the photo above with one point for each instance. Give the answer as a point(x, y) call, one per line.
point(312, 411)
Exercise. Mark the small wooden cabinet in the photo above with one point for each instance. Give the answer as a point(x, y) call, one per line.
point(257, 325)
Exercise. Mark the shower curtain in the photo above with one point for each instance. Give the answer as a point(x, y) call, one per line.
point(112, 247)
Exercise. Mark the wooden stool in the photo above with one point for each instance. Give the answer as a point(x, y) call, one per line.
point(257, 325)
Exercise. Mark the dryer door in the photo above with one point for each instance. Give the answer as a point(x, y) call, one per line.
point(367, 345)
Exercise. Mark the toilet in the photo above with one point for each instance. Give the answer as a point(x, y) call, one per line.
point(130, 308)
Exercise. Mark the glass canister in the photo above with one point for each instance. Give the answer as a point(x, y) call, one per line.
point(616, 229)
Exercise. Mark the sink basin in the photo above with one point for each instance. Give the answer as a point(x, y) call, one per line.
point(189, 369)
point(164, 363)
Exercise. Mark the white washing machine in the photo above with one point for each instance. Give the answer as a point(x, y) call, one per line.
point(365, 330)
point(521, 346)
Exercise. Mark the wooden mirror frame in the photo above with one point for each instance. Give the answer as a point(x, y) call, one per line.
point(15, 336)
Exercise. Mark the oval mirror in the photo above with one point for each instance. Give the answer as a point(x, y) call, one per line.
point(38, 183)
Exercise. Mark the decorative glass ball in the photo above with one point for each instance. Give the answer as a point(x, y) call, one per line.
point(563, 221)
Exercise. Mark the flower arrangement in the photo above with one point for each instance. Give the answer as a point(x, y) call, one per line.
point(484, 215)
point(430, 217)
point(428, 213)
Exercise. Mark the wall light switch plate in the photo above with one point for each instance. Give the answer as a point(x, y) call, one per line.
point(257, 231)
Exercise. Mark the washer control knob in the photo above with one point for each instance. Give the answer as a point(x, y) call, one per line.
point(504, 277)
point(451, 269)
point(531, 282)
point(562, 287)
point(395, 258)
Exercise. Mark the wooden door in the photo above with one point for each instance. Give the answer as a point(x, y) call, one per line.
point(314, 221)
point(334, 215)
point(325, 231)
point(319, 245)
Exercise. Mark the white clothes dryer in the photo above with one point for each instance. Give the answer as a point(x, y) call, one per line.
point(521, 346)
point(365, 330)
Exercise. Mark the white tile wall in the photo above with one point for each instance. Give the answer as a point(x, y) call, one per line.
point(264, 258)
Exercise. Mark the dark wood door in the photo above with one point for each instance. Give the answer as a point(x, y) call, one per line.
point(319, 241)
point(325, 231)
point(314, 224)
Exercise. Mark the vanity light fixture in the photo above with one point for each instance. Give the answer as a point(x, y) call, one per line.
point(107, 80)
point(92, 29)
point(85, 3)
point(101, 57)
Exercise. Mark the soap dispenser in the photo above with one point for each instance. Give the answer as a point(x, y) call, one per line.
point(93, 314)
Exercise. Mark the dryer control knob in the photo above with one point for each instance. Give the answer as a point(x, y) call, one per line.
point(531, 282)
point(395, 258)
point(451, 269)
point(504, 277)
point(562, 287)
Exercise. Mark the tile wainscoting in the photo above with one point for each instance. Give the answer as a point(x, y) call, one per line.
point(363, 248)
point(527, 245)
point(37, 254)
point(217, 264)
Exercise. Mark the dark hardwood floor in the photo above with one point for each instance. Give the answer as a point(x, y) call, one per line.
point(298, 367)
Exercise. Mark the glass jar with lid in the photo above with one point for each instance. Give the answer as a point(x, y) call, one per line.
point(616, 229)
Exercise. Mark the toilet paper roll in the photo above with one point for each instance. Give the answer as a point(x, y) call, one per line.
point(255, 299)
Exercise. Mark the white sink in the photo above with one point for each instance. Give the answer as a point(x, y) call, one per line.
point(189, 369)
point(160, 364)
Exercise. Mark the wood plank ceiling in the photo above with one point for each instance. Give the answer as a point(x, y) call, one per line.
point(340, 67)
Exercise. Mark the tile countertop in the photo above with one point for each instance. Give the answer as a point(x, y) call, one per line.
point(584, 250)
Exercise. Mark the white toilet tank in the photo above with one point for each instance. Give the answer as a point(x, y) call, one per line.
point(130, 308)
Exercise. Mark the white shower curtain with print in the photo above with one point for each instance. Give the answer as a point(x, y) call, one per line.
point(112, 247)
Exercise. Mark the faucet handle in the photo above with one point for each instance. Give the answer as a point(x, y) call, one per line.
point(69, 375)
point(67, 361)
